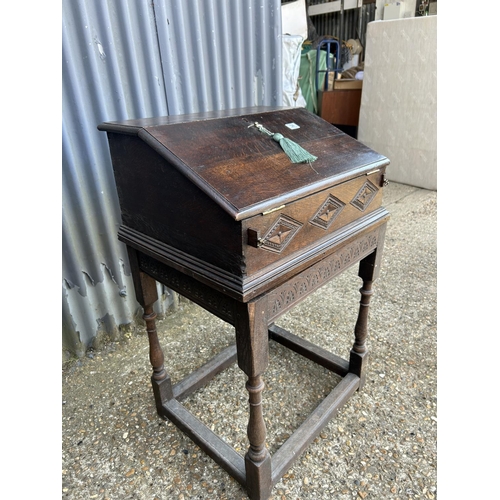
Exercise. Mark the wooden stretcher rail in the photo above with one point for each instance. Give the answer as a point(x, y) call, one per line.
point(312, 426)
point(222, 453)
point(310, 351)
point(205, 373)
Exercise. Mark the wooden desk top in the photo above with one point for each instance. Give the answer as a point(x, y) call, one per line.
point(245, 171)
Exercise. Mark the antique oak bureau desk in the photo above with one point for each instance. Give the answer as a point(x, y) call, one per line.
point(213, 208)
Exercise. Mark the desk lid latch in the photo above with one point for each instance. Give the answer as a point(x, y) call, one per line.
point(253, 238)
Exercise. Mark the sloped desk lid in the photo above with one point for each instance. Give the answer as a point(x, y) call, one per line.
point(245, 171)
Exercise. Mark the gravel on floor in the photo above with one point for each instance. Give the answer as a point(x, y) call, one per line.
point(382, 444)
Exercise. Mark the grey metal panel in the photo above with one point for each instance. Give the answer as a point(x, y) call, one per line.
point(111, 70)
point(220, 54)
point(126, 59)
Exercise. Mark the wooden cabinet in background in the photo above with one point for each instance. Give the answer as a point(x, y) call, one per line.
point(340, 106)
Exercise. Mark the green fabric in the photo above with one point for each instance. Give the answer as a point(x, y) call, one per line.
point(307, 77)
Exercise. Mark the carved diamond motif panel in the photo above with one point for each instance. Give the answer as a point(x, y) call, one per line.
point(280, 234)
point(328, 212)
point(364, 196)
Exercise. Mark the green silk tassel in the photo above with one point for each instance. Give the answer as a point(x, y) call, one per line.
point(296, 153)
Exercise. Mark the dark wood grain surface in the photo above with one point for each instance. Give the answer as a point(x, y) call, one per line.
point(247, 172)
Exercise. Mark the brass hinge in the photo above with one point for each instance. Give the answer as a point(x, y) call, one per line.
point(281, 207)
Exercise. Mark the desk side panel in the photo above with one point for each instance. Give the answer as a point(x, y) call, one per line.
point(158, 201)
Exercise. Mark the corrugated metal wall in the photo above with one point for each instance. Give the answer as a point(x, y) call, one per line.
point(136, 58)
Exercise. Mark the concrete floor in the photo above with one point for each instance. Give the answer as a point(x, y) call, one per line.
point(381, 445)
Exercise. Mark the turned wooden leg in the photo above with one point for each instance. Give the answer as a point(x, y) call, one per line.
point(147, 295)
point(369, 268)
point(160, 380)
point(359, 353)
point(252, 343)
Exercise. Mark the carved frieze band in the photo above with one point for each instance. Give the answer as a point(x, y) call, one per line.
point(212, 300)
point(285, 296)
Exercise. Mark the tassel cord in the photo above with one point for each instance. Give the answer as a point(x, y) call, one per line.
point(294, 151)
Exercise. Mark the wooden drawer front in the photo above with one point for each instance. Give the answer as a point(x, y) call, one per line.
point(279, 234)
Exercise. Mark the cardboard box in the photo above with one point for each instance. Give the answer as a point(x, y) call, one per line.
point(344, 83)
point(348, 84)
